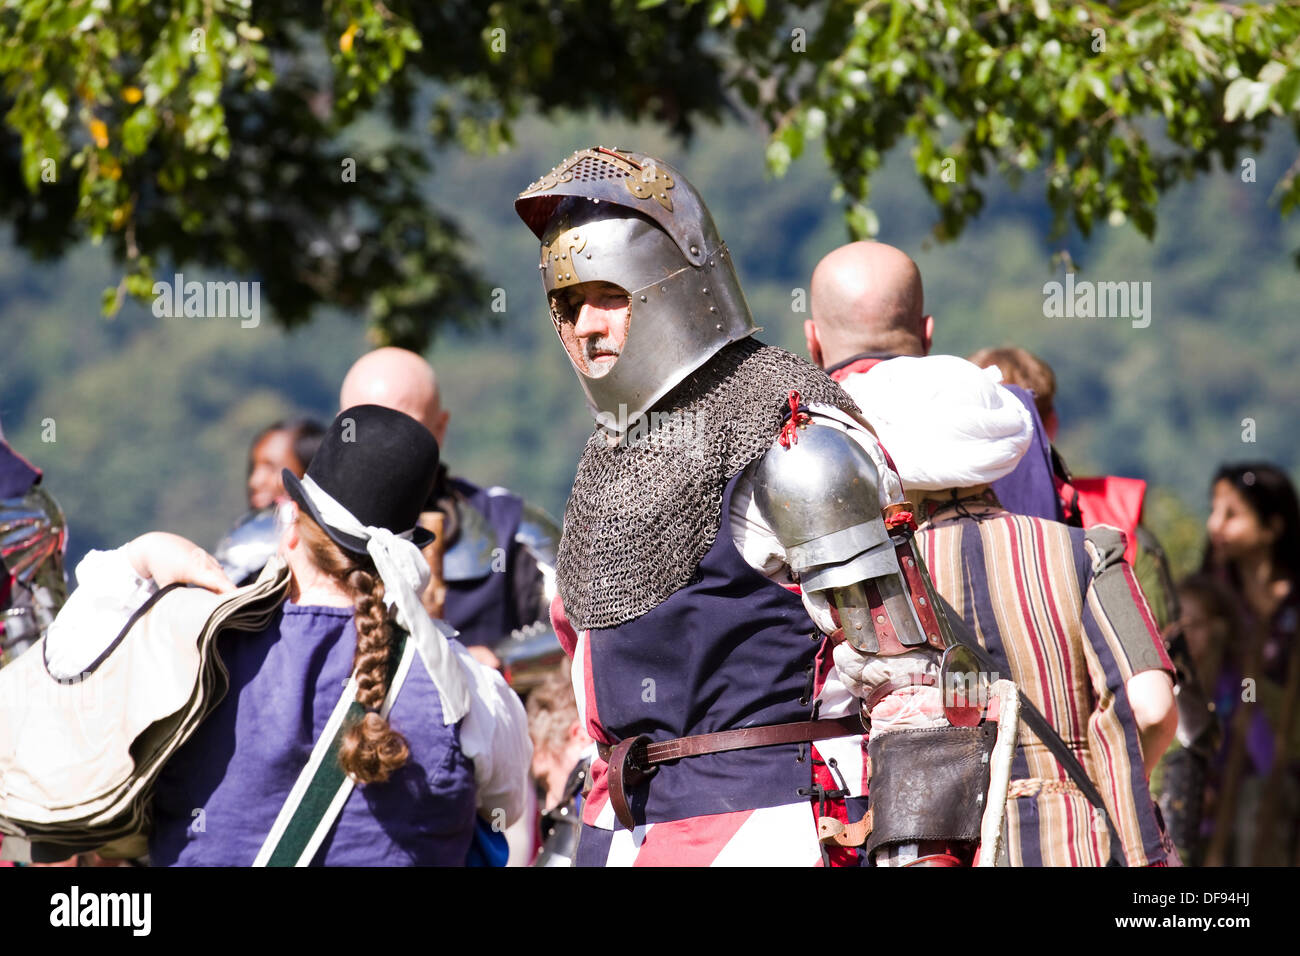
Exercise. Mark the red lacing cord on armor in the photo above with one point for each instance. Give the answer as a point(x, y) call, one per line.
point(788, 436)
point(905, 518)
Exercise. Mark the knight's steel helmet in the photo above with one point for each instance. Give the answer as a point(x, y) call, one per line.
point(632, 220)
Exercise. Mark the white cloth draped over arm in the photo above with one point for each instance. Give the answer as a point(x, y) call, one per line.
point(108, 592)
point(494, 735)
point(946, 422)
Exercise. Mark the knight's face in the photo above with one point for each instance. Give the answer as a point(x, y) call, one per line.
point(592, 318)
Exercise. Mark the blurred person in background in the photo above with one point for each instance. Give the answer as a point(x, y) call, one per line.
point(1206, 625)
point(1253, 547)
point(1032, 489)
point(868, 306)
point(562, 754)
point(1086, 502)
point(282, 445)
point(1024, 368)
point(33, 586)
point(1178, 780)
point(1055, 607)
point(498, 555)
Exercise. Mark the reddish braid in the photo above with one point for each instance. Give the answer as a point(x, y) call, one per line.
point(371, 750)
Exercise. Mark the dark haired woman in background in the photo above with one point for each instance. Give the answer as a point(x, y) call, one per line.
point(1205, 624)
point(1254, 548)
point(282, 445)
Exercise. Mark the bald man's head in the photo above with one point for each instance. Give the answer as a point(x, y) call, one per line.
point(867, 297)
point(400, 380)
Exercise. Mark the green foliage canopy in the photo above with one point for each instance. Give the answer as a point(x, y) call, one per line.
point(1119, 101)
point(220, 133)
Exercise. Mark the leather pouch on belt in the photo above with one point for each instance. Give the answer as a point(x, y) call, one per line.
point(929, 784)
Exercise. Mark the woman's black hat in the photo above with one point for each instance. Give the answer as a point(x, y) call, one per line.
point(379, 464)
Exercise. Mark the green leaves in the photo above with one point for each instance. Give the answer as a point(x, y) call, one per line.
point(1244, 98)
point(1082, 87)
point(786, 145)
point(1286, 93)
point(862, 221)
point(1275, 88)
point(175, 131)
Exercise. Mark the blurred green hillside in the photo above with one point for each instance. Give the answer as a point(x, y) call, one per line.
point(152, 417)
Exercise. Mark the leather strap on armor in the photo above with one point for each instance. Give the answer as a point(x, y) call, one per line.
point(832, 831)
point(898, 683)
point(633, 761)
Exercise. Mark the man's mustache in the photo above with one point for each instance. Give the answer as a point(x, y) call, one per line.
point(604, 344)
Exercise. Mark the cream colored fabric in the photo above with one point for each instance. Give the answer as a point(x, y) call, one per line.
point(108, 592)
point(77, 760)
point(945, 422)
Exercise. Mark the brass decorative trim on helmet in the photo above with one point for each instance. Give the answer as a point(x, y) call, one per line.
point(643, 180)
point(561, 253)
point(651, 183)
point(632, 180)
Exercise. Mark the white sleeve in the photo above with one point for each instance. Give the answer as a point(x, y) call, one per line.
point(494, 734)
point(753, 536)
point(108, 592)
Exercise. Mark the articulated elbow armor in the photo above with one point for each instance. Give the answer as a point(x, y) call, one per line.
point(821, 497)
point(937, 790)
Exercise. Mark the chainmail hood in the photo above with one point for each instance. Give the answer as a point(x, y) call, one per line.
point(645, 511)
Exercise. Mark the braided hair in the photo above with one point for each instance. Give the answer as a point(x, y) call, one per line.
point(372, 750)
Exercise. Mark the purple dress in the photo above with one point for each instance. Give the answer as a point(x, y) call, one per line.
point(219, 795)
point(1031, 488)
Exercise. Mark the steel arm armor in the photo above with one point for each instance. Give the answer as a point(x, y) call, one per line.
point(821, 498)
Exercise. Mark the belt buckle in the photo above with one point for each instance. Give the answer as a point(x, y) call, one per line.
point(635, 769)
point(626, 771)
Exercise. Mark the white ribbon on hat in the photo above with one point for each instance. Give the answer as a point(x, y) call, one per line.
point(405, 574)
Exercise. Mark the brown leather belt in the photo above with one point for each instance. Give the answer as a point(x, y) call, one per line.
point(632, 761)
